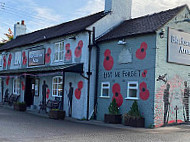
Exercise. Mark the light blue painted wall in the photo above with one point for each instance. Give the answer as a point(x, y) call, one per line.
point(133, 44)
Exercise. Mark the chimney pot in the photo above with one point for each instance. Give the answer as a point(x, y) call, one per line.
point(18, 23)
point(22, 22)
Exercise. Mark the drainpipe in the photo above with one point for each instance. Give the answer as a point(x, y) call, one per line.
point(97, 74)
point(63, 88)
point(89, 73)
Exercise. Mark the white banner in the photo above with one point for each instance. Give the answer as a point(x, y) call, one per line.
point(178, 47)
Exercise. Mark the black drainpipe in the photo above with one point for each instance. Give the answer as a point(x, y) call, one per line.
point(97, 75)
point(89, 73)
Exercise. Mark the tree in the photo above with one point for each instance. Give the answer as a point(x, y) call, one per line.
point(9, 36)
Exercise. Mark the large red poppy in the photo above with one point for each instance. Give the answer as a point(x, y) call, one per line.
point(23, 86)
point(108, 60)
point(68, 53)
point(78, 90)
point(7, 80)
point(144, 73)
point(78, 49)
point(141, 52)
point(24, 58)
point(48, 56)
point(47, 93)
point(9, 59)
point(144, 92)
point(117, 95)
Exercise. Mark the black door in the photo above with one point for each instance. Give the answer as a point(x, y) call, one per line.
point(29, 91)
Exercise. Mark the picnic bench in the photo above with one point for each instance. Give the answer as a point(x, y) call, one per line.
point(13, 99)
point(51, 104)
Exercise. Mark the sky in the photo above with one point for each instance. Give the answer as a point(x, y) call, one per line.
point(39, 14)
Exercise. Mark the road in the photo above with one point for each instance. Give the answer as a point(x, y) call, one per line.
point(25, 127)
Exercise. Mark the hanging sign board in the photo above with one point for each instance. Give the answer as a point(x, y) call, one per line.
point(178, 47)
point(36, 57)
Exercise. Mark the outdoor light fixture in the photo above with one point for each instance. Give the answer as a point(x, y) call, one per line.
point(73, 37)
point(185, 20)
point(162, 33)
point(121, 42)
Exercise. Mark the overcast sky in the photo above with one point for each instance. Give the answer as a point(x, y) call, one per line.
point(39, 14)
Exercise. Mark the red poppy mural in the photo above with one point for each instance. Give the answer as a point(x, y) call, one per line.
point(78, 90)
point(144, 73)
point(24, 58)
point(78, 49)
point(7, 80)
point(47, 93)
point(141, 52)
point(68, 53)
point(108, 60)
point(117, 95)
point(48, 56)
point(4, 61)
point(144, 92)
point(9, 59)
point(23, 86)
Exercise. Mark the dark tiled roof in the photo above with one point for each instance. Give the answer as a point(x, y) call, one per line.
point(142, 25)
point(53, 32)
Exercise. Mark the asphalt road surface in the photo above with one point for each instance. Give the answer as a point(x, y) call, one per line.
point(25, 127)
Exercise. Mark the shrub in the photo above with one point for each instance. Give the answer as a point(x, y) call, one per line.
point(113, 108)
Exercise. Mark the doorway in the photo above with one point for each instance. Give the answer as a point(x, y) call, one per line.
point(29, 91)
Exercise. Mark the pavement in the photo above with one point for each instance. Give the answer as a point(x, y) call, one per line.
point(30, 126)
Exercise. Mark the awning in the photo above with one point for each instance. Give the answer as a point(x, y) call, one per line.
point(76, 68)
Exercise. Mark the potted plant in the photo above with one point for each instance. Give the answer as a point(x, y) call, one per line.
point(56, 114)
point(133, 117)
point(20, 106)
point(113, 117)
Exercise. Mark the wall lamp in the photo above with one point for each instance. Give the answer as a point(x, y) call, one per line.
point(185, 20)
point(162, 33)
point(73, 37)
point(122, 42)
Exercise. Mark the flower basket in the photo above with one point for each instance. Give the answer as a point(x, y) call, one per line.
point(56, 114)
point(20, 106)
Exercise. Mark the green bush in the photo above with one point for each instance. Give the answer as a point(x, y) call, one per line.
point(113, 108)
point(134, 110)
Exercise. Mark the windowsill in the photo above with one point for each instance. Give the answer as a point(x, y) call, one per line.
point(129, 98)
point(104, 97)
point(56, 96)
point(57, 61)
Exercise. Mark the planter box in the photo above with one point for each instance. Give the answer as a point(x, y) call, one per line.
point(57, 114)
point(20, 107)
point(114, 119)
point(134, 121)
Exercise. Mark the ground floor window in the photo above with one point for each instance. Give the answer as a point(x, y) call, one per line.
point(57, 86)
point(105, 89)
point(132, 90)
point(16, 86)
point(37, 84)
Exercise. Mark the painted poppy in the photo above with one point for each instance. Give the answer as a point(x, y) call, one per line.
point(108, 60)
point(141, 52)
point(9, 59)
point(24, 58)
point(144, 73)
point(78, 93)
point(4, 61)
point(80, 84)
point(23, 86)
point(117, 95)
point(7, 80)
point(68, 53)
point(47, 93)
point(144, 92)
point(48, 56)
point(78, 49)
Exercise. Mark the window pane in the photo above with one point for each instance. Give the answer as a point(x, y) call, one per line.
point(132, 85)
point(105, 92)
point(60, 86)
point(132, 92)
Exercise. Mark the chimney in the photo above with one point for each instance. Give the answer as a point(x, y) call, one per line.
point(121, 7)
point(19, 29)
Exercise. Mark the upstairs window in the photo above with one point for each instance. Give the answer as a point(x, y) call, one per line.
point(105, 89)
point(17, 58)
point(58, 51)
point(132, 90)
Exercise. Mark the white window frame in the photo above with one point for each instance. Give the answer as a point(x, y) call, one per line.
point(1, 60)
point(57, 94)
point(59, 51)
point(17, 89)
point(130, 87)
point(103, 87)
point(18, 57)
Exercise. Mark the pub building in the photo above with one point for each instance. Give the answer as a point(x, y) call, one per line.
point(59, 62)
